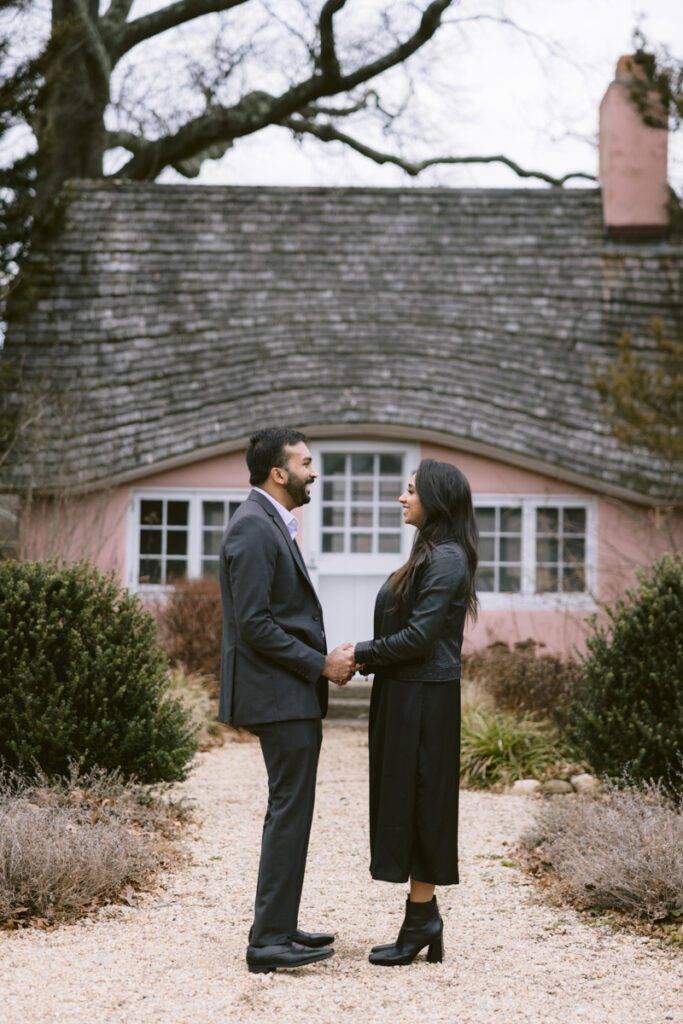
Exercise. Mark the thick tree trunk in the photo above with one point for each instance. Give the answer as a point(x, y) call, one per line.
point(70, 124)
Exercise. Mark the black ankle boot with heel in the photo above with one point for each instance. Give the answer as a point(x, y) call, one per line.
point(422, 926)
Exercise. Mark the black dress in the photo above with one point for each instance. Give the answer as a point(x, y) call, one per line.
point(414, 736)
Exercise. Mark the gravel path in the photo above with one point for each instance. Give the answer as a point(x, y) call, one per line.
point(178, 957)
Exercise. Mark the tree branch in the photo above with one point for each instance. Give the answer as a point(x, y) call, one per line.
point(328, 133)
point(258, 109)
point(328, 63)
point(154, 24)
point(429, 23)
point(117, 12)
point(95, 44)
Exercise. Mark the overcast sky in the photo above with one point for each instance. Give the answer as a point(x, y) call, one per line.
point(497, 92)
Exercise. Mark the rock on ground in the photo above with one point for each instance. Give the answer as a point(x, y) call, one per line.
point(178, 957)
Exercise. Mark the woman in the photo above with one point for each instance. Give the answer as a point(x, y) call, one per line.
point(415, 706)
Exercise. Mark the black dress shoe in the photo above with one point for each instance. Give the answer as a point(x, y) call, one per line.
point(264, 959)
point(314, 940)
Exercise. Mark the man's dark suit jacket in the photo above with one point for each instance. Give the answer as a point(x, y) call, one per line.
point(273, 646)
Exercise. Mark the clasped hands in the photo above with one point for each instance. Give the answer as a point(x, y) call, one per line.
point(340, 664)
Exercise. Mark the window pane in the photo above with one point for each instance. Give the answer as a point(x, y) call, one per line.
point(391, 465)
point(485, 578)
point(214, 513)
point(232, 508)
point(389, 543)
point(334, 490)
point(361, 516)
point(361, 542)
point(547, 520)
point(361, 490)
point(150, 542)
point(176, 569)
point(511, 520)
point(486, 519)
point(151, 513)
point(546, 579)
point(574, 580)
point(211, 542)
point(390, 517)
point(176, 542)
point(575, 520)
point(334, 465)
point(333, 516)
point(210, 567)
point(150, 570)
point(177, 513)
point(546, 549)
point(510, 580)
point(362, 465)
point(333, 542)
point(510, 549)
point(574, 550)
point(390, 490)
point(487, 549)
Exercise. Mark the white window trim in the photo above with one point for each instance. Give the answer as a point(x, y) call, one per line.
point(354, 564)
point(195, 496)
point(527, 599)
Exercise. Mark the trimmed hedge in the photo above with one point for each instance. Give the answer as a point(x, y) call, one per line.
point(83, 679)
point(628, 714)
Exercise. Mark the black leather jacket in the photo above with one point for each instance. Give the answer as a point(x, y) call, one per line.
point(423, 642)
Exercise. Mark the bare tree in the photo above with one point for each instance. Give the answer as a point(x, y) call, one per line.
point(91, 88)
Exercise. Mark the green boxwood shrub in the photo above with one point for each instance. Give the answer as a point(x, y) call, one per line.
point(83, 679)
point(627, 716)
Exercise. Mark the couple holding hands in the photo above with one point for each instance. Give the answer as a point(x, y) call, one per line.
point(274, 682)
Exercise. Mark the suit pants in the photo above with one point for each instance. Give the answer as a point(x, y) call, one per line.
point(290, 751)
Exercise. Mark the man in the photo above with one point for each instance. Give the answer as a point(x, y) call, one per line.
point(274, 682)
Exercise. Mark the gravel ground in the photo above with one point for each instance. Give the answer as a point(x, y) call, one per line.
point(178, 957)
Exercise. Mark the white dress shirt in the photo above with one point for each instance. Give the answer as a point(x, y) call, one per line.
point(290, 521)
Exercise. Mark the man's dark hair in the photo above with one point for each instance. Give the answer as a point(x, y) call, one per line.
point(267, 449)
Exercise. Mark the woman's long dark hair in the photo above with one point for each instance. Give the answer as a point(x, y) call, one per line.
point(448, 514)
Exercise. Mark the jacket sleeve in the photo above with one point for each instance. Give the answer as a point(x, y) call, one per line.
point(251, 581)
point(442, 579)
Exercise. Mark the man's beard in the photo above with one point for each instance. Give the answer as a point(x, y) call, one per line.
point(296, 489)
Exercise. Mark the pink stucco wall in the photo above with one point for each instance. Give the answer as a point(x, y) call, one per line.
point(628, 535)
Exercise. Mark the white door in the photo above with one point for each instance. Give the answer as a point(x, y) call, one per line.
point(355, 536)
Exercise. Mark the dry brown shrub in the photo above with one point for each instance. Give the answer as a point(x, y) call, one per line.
point(622, 850)
point(69, 845)
point(521, 679)
point(198, 695)
point(189, 626)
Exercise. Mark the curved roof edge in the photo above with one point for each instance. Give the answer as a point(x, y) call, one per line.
point(371, 431)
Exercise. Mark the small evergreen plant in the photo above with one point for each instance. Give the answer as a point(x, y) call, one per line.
point(627, 716)
point(83, 679)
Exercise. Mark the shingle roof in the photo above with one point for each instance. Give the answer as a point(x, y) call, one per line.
point(170, 321)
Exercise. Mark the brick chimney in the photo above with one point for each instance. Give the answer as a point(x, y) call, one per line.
point(633, 158)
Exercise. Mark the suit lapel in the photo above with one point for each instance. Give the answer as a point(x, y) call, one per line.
point(280, 525)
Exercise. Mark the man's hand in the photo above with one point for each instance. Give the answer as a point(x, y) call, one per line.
point(340, 664)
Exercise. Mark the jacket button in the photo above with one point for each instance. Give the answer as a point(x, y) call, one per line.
point(316, 618)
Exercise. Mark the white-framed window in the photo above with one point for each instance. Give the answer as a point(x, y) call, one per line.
point(536, 551)
point(354, 524)
point(176, 533)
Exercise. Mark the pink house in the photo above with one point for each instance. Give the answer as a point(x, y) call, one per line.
point(160, 325)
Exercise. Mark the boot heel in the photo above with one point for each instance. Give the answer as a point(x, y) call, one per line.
point(435, 951)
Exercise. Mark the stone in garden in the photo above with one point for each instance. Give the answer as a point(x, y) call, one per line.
point(524, 787)
point(557, 786)
point(585, 783)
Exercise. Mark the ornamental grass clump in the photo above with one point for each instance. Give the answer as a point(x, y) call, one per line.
point(628, 713)
point(83, 679)
point(622, 850)
point(70, 844)
point(498, 748)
